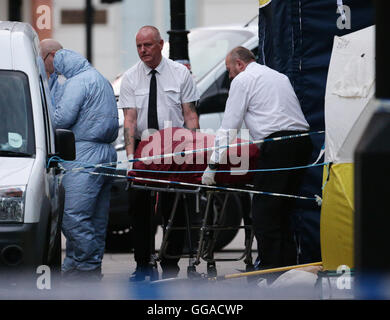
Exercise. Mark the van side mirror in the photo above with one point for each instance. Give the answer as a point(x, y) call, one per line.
point(65, 144)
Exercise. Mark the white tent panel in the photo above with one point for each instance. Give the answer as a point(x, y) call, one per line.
point(350, 86)
point(346, 152)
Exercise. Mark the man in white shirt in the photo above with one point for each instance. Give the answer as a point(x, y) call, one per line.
point(265, 100)
point(154, 91)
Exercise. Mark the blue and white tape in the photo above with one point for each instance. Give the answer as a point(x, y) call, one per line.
point(183, 153)
point(111, 164)
point(187, 184)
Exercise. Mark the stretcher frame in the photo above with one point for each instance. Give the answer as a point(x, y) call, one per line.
point(208, 232)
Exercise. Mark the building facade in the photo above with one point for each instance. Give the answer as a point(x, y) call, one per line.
point(115, 25)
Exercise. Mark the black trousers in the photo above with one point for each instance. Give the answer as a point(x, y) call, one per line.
point(142, 206)
point(271, 215)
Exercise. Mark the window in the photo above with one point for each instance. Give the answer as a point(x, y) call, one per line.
point(46, 115)
point(16, 129)
point(207, 48)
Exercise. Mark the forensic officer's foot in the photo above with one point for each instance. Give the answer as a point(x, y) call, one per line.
point(75, 275)
point(140, 273)
point(92, 275)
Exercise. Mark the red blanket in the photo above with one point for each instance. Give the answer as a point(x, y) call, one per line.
point(174, 140)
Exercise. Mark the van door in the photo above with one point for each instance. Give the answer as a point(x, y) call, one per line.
point(53, 180)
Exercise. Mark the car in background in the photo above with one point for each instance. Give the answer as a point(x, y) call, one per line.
point(207, 48)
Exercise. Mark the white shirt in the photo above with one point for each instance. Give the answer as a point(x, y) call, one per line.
point(265, 100)
point(175, 86)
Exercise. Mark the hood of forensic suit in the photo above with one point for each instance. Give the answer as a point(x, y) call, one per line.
point(70, 63)
point(15, 171)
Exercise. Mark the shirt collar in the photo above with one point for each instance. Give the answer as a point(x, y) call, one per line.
point(251, 64)
point(158, 68)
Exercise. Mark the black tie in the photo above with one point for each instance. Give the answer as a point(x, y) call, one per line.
point(152, 107)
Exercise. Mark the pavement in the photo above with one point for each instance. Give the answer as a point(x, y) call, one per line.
point(115, 285)
point(117, 267)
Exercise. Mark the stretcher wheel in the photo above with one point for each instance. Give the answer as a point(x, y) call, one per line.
point(211, 269)
point(154, 275)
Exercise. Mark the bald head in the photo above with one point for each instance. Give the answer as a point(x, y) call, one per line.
point(149, 46)
point(150, 30)
point(48, 49)
point(49, 45)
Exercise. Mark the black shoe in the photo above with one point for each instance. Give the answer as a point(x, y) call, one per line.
point(140, 273)
point(171, 272)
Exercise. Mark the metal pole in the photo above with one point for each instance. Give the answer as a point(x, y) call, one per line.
point(178, 40)
point(89, 17)
point(14, 10)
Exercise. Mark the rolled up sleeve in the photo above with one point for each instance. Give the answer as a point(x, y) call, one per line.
point(126, 96)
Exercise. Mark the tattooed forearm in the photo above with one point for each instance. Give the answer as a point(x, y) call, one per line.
point(129, 138)
point(192, 106)
point(129, 129)
point(190, 115)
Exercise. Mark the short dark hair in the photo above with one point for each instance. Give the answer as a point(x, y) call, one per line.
point(243, 54)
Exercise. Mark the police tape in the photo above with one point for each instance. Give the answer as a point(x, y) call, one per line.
point(230, 171)
point(182, 153)
point(234, 171)
point(316, 198)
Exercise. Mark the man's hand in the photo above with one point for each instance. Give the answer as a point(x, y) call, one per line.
point(130, 163)
point(208, 176)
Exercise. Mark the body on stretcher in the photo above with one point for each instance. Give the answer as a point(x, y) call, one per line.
point(186, 171)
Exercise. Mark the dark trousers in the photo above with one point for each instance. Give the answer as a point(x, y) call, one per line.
point(271, 214)
point(142, 204)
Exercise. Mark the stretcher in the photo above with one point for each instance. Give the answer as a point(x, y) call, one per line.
point(206, 233)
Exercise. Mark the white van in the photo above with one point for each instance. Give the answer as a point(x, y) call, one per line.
point(31, 195)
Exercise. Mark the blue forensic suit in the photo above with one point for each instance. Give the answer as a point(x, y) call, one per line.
point(85, 103)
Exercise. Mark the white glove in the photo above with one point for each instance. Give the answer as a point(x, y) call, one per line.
point(130, 164)
point(208, 176)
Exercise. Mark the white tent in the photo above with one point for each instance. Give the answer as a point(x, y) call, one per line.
point(349, 90)
point(349, 104)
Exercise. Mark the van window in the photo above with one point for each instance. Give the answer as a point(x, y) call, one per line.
point(46, 115)
point(207, 48)
point(16, 128)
